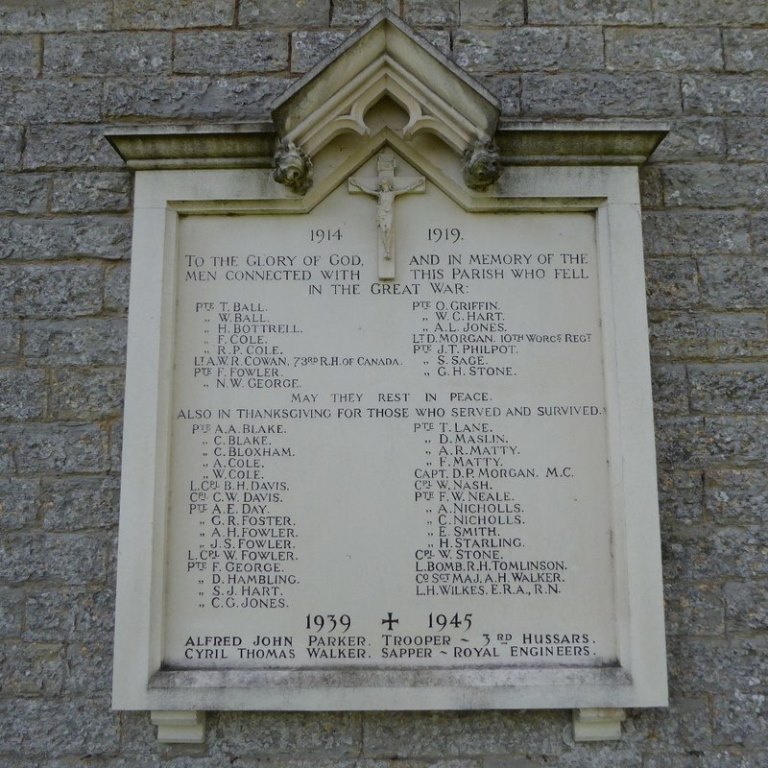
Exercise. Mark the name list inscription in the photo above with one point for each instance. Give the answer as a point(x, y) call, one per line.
point(410, 472)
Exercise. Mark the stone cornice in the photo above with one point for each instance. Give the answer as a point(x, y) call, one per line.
point(252, 145)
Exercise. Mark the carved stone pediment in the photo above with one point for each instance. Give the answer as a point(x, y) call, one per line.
point(387, 60)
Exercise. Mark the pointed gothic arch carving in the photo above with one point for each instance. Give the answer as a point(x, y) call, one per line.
point(386, 59)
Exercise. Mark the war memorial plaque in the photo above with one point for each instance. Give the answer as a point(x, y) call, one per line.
point(388, 429)
point(389, 473)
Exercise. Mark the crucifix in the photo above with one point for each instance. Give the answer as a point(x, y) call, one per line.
point(386, 188)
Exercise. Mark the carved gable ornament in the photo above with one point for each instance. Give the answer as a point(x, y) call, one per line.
point(388, 435)
point(387, 60)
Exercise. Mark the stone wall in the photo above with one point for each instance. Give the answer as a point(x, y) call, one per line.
point(72, 67)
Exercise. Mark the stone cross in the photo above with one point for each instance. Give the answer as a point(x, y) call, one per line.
point(386, 188)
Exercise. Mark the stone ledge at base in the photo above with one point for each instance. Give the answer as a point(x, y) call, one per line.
point(185, 727)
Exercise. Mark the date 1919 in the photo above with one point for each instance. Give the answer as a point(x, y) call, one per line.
point(444, 235)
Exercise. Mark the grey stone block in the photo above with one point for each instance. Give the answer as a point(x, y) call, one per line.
point(68, 146)
point(693, 609)
point(601, 755)
point(33, 669)
point(729, 388)
point(716, 553)
point(414, 734)
point(76, 342)
point(438, 38)
point(11, 610)
point(697, 334)
point(670, 50)
point(746, 605)
point(116, 288)
point(86, 393)
point(51, 101)
point(308, 47)
point(644, 94)
point(52, 291)
point(529, 48)
point(50, 613)
point(288, 13)
point(711, 11)
point(95, 613)
point(736, 440)
point(357, 12)
point(70, 613)
point(91, 192)
point(736, 495)
point(65, 558)
point(725, 95)
point(193, 97)
point(58, 448)
point(502, 762)
point(691, 233)
point(681, 495)
point(693, 139)
point(746, 138)
point(10, 341)
point(88, 670)
point(23, 394)
point(431, 12)
point(670, 389)
point(677, 442)
point(672, 283)
point(734, 283)
point(19, 502)
point(20, 55)
point(170, 14)
point(115, 445)
point(741, 717)
point(272, 733)
point(589, 12)
point(74, 726)
point(759, 232)
point(24, 193)
point(10, 147)
point(224, 52)
point(685, 724)
point(55, 16)
point(689, 442)
point(673, 759)
point(7, 465)
point(77, 503)
point(734, 757)
point(497, 13)
point(507, 89)
point(711, 185)
point(651, 187)
point(746, 50)
point(109, 53)
point(102, 237)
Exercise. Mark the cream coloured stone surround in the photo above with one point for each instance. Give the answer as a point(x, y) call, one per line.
point(552, 168)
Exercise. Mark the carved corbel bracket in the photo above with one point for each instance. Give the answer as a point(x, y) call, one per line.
point(292, 167)
point(482, 165)
point(598, 724)
point(179, 726)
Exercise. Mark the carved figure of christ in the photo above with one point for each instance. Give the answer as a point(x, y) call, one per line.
point(385, 188)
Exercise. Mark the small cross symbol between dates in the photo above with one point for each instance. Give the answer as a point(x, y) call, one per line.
point(389, 621)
